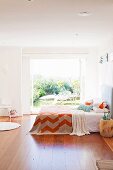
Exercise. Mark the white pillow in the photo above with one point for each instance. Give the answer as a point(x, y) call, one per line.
point(98, 110)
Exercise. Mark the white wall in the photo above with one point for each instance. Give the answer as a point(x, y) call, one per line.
point(106, 74)
point(26, 85)
point(106, 69)
point(92, 76)
point(10, 77)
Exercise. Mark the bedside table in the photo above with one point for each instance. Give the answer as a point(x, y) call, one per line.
point(106, 128)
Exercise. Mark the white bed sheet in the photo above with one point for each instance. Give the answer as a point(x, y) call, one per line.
point(93, 120)
point(57, 109)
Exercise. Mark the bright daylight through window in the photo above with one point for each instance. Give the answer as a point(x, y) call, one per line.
point(56, 81)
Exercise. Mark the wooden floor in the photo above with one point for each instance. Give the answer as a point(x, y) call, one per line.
point(109, 142)
point(21, 151)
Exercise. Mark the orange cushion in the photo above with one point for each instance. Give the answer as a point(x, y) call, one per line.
point(88, 103)
point(102, 105)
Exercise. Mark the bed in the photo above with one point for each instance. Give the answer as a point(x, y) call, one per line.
point(59, 119)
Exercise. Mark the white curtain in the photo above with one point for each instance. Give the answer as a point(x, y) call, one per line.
point(82, 78)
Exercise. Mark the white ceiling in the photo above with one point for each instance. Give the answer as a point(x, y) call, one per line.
point(55, 22)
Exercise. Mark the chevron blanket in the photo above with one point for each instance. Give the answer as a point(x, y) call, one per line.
point(60, 120)
point(52, 123)
point(53, 120)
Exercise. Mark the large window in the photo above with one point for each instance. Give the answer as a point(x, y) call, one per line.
point(56, 81)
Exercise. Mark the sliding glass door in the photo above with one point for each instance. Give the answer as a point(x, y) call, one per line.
point(57, 81)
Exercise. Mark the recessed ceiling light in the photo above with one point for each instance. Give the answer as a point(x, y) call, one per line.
point(84, 13)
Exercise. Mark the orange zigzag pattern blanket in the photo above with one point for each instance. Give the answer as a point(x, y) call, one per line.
point(52, 123)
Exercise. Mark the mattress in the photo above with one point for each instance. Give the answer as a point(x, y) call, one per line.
point(58, 120)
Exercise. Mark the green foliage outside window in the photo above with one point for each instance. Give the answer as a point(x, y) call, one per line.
point(42, 87)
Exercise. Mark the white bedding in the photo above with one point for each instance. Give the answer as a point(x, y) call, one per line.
point(92, 118)
point(56, 109)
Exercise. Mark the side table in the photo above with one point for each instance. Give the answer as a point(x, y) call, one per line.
point(106, 128)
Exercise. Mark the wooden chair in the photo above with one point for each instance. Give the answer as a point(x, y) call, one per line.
point(104, 164)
